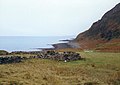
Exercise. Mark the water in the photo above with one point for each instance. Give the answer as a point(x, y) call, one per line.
point(28, 43)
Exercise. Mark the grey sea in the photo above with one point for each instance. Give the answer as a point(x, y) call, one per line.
point(29, 43)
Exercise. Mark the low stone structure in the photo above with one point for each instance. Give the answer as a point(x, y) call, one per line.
point(11, 59)
point(59, 56)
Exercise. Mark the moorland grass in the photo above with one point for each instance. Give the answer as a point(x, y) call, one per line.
point(97, 68)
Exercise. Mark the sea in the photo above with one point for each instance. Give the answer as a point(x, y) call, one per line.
point(30, 43)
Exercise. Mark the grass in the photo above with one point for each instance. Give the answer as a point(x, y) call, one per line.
point(109, 47)
point(96, 69)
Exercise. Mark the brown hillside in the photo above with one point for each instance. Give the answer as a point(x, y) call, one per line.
point(104, 31)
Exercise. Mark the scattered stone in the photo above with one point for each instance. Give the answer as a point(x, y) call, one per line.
point(11, 59)
point(59, 56)
point(65, 56)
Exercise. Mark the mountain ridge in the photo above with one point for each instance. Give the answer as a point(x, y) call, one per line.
point(105, 30)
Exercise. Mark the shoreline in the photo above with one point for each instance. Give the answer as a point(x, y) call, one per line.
point(31, 43)
point(57, 46)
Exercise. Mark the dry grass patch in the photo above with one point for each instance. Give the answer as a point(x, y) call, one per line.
point(96, 69)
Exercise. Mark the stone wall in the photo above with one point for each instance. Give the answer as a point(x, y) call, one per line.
point(59, 56)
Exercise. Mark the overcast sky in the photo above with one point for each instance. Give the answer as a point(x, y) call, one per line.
point(50, 17)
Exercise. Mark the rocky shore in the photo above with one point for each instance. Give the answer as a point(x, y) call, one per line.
point(70, 44)
point(57, 46)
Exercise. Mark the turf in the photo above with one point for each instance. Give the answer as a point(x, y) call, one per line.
point(96, 69)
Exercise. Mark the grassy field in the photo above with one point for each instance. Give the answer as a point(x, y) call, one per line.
point(96, 69)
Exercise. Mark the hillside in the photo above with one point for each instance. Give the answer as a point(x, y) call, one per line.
point(103, 34)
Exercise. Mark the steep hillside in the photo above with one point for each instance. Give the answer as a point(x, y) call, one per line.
point(104, 31)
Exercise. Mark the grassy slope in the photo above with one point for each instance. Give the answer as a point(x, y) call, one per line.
point(109, 47)
point(102, 68)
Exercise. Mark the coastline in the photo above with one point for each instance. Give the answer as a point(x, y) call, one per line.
point(58, 46)
point(66, 45)
point(30, 43)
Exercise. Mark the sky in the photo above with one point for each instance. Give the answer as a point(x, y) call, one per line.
point(50, 17)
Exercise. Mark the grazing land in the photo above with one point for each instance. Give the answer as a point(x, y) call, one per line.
point(97, 68)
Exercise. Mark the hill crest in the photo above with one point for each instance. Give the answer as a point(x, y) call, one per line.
point(105, 30)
